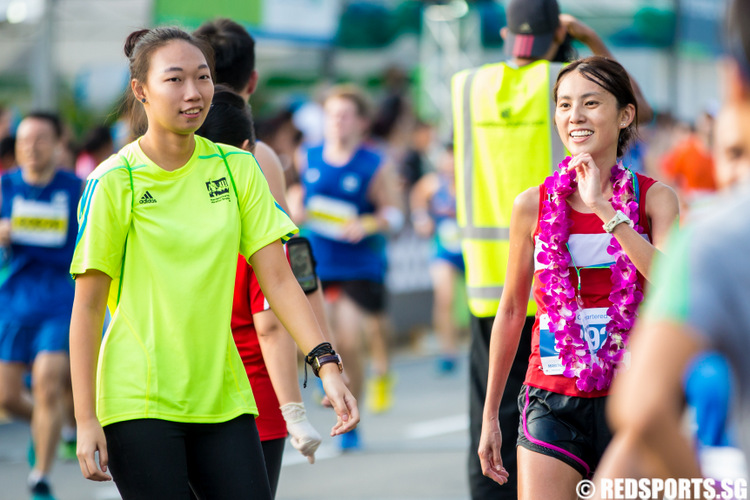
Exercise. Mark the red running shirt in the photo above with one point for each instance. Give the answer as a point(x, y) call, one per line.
point(588, 247)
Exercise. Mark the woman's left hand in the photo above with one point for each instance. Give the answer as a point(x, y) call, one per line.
point(589, 180)
point(342, 400)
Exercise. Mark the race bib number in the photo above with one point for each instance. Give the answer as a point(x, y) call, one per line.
point(593, 322)
point(328, 216)
point(40, 223)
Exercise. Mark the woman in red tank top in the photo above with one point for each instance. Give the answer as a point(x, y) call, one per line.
point(585, 239)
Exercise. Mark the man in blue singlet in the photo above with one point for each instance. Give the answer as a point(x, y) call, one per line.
point(37, 235)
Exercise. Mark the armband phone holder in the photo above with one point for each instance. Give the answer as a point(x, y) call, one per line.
point(303, 264)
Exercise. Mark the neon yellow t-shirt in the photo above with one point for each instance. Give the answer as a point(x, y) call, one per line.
point(170, 245)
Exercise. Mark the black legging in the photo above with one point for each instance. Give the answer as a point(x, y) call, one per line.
point(151, 458)
point(273, 451)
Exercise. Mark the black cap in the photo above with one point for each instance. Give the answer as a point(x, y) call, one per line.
point(531, 27)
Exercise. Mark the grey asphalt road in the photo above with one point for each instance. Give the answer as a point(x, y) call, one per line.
point(417, 450)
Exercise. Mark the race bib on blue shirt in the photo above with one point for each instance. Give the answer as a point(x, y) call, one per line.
point(329, 216)
point(40, 223)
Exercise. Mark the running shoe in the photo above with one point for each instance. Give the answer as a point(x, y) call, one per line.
point(350, 441)
point(380, 393)
point(67, 451)
point(446, 365)
point(41, 490)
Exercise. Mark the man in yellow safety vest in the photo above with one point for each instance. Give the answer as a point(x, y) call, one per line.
point(505, 142)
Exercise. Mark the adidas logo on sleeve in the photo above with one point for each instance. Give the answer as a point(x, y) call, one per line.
point(147, 198)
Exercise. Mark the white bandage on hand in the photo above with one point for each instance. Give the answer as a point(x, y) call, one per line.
point(304, 437)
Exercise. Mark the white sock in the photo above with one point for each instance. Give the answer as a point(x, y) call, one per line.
point(35, 476)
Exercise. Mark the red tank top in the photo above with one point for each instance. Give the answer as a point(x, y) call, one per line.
point(588, 248)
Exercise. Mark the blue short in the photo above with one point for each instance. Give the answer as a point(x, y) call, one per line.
point(21, 343)
point(455, 259)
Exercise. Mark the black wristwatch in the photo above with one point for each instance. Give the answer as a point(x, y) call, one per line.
point(319, 361)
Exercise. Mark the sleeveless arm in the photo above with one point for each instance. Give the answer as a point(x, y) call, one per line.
point(419, 201)
point(506, 329)
point(384, 192)
point(662, 210)
point(511, 313)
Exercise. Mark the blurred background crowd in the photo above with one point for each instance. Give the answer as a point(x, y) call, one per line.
point(65, 56)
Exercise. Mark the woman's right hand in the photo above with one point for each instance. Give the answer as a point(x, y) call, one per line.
point(490, 459)
point(90, 436)
point(342, 400)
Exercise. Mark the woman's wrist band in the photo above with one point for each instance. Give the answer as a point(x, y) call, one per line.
point(618, 219)
point(323, 353)
point(319, 361)
point(319, 350)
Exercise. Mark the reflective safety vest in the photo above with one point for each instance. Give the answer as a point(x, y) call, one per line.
point(504, 143)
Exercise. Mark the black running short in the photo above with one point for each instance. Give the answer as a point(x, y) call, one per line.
point(369, 295)
point(567, 428)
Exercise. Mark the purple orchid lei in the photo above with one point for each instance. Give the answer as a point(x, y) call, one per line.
point(559, 294)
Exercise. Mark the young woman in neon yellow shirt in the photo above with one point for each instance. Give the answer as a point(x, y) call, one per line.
point(164, 398)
